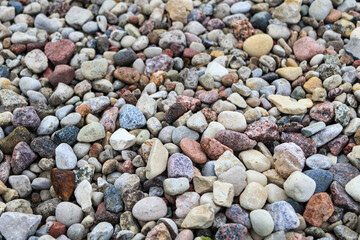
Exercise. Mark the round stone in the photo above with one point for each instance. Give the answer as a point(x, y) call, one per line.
point(258, 45)
point(299, 186)
point(68, 213)
point(261, 222)
point(149, 209)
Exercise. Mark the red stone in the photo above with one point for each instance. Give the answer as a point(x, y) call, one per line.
point(37, 45)
point(318, 209)
point(18, 48)
point(215, 23)
point(190, 103)
point(60, 52)
point(189, 53)
point(26, 117)
point(103, 215)
point(243, 29)
point(127, 167)
point(57, 229)
point(263, 131)
point(213, 148)
point(192, 149)
point(323, 112)
point(235, 140)
point(95, 150)
point(305, 48)
point(62, 73)
point(338, 144)
point(63, 182)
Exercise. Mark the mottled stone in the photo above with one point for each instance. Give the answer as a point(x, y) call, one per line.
point(288, 158)
point(131, 117)
point(306, 144)
point(342, 199)
point(263, 131)
point(112, 199)
point(231, 231)
point(175, 111)
point(235, 140)
point(283, 215)
point(213, 148)
point(43, 146)
point(344, 172)
point(26, 117)
point(238, 215)
point(318, 209)
point(108, 119)
point(323, 112)
point(22, 157)
point(180, 165)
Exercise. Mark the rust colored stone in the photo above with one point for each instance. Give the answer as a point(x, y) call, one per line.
point(127, 75)
point(83, 109)
point(63, 182)
point(95, 150)
point(127, 167)
point(192, 149)
point(235, 140)
point(190, 103)
point(318, 209)
point(213, 148)
point(243, 29)
point(57, 229)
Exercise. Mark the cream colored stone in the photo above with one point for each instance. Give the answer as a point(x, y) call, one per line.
point(234, 121)
point(254, 176)
point(255, 160)
point(253, 197)
point(225, 162)
point(287, 105)
point(352, 188)
point(157, 160)
point(258, 45)
point(275, 193)
point(199, 217)
point(203, 184)
point(122, 139)
point(289, 73)
point(223, 193)
point(238, 100)
point(212, 129)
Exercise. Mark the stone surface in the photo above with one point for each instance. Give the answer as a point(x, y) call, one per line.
point(18, 226)
point(149, 208)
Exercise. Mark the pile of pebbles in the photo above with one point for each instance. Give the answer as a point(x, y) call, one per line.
point(179, 119)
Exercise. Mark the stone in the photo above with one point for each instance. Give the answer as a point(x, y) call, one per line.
point(91, 132)
point(236, 176)
point(127, 75)
point(341, 198)
point(11, 100)
point(328, 134)
point(21, 184)
point(322, 179)
point(288, 158)
point(253, 197)
point(36, 61)
point(22, 157)
point(318, 161)
point(199, 217)
point(299, 186)
point(83, 195)
point(157, 160)
point(318, 209)
point(305, 48)
point(176, 186)
point(177, 10)
point(149, 209)
point(185, 202)
point(216, 70)
point(288, 11)
point(68, 213)
point(77, 16)
point(122, 139)
point(235, 140)
point(255, 160)
point(63, 182)
point(65, 157)
point(213, 148)
point(284, 216)
point(232, 121)
point(18, 226)
point(287, 105)
point(131, 117)
point(319, 9)
point(228, 231)
point(289, 73)
point(263, 131)
point(238, 215)
point(103, 231)
point(223, 193)
point(343, 232)
point(261, 222)
point(351, 48)
point(192, 149)
point(95, 69)
point(351, 188)
point(159, 232)
point(258, 45)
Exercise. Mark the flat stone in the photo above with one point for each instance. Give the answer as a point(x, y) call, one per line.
point(287, 105)
point(157, 160)
point(328, 134)
point(92, 132)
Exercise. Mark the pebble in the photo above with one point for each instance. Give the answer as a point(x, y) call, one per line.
point(68, 213)
point(15, 225)
point(65, 157)
point(253, 43)
point(149, 209)
point(261, 222)
point(284, 216)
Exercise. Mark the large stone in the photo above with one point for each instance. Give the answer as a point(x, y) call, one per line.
point(299, 186)
point(319, 209)
point(223, 193)
point(63, 182)
point(288, 158)
point(68, 213)
point(255, 160)
point(92, 132)
point(284, 216)
point(18, 226)
point(288, 11)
